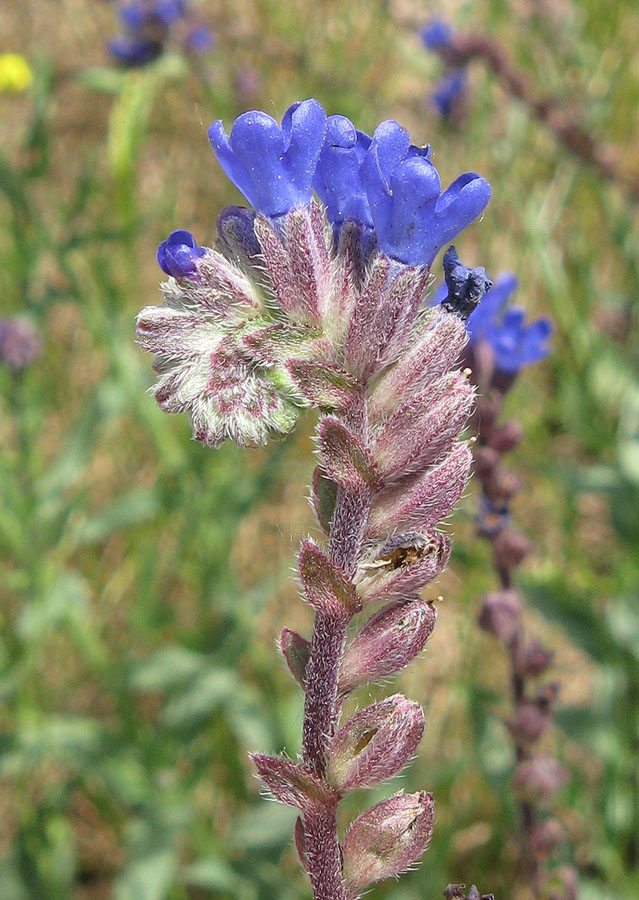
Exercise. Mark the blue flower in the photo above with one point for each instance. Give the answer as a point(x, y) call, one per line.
point(514, 343)
point(412, 218)
point(179, 253)
point(448, 92)
point(133, 51)
point(199, 39)
point(436, 34)
point(339, 181)
point(273, 167)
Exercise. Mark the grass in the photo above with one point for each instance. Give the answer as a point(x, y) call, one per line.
point(144, 578)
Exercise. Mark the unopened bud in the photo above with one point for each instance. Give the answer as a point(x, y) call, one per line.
point(531, 722)
point(533, 659)
point(424, 500)
point(235, 230)
point(387, 839)
point(375, 744)
point(19, 343)
point(402, 566)
point(510, 548)
point(500, 614)
point(485, 461)
point(545, 837)
point(539, 777)
point(387, 643)
point(506, 436)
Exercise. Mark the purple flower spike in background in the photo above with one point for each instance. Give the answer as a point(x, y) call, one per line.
point(273, 167)
point(339, 178)
point(449, 94)
point(436, 33)
point(514, 343)
point(20, 343)
point(412, 218)
point(179, 253)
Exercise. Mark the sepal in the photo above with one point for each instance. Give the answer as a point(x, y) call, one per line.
point(296, 651)
point(323, 498)
point(387, 839)
point(345, 458)
point(292, 783)
point(325, 586)
point(375, 744)
point(325, 386)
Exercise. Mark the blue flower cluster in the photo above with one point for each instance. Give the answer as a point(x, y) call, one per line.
point(147, 25)
point(436, 34)
point(450, 92)
point(383, 182)
point(515, 343)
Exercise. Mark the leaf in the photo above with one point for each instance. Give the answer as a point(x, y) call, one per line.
point(168, 667)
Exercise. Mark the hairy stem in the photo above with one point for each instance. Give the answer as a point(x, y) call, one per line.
point(321, 708)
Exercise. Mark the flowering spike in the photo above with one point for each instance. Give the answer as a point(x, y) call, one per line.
point(326, 587)
point(287, 156)
point(388, 642)
point(345, 459)
point(375, 744)
point(402, 566)
point(292, 783)
point(296, 650)
point(387, 839)
point(424, 500)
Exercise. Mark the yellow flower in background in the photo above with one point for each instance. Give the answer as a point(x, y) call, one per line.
point(15, 73)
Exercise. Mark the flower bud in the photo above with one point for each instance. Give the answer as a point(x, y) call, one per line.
point(20, 343)
point(387, 643)
point(387, 839)
point(510, 548)
point(424, 500)
point(375, 744)
point(436, 345)
point(236, 234)
point(532, 659)
point(531, 722)
point(422, 430)
point(296, 650)
point(345, 459)
point(403, 565)
point(545, 837)
point(539, 777)
point(501, 485)
point(506, 436)
point(500, 614)
point(292, 783)
point(485, 461)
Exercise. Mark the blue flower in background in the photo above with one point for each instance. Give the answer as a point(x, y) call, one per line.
point(514, 342)
point(449, 92)
point(179, 253)
point(412, 218)
point(148, 25)
point(436, 34)
point(339, 181)
point(273, 167)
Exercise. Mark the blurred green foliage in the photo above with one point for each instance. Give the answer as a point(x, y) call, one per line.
point(144, 578)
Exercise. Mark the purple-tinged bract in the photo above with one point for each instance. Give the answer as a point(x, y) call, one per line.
point(272, 166)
